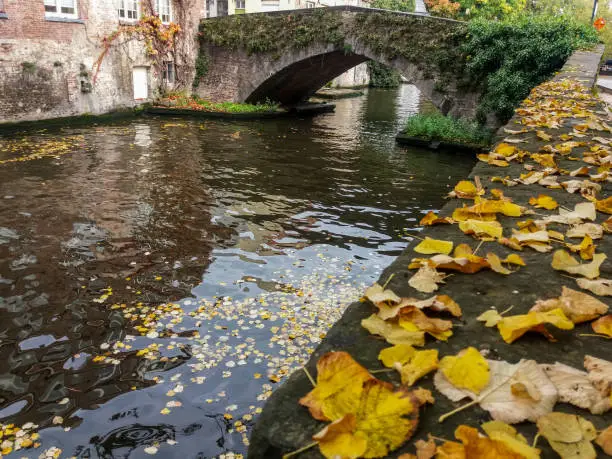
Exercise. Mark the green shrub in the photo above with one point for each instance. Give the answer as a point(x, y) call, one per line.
point(395, 5)
point(439, 127)
point(382, 76)
point(511, 57)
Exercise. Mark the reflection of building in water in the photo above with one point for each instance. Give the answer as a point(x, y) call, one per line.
point(132, 190)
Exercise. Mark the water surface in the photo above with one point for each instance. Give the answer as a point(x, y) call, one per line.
point(159, 277)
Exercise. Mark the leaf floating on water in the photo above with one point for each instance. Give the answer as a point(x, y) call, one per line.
point(563, 261)
point(577, 306)
point(569, 435)
point(339, 386)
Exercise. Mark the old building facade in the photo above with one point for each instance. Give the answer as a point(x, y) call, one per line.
point(54, 61)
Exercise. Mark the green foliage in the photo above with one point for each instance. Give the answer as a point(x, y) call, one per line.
point(181, 100)
point(491, 9)
point(382, 76)
point(395, 5)
point(201, 68)
point(28, 67)
point(274, 33)
point(439, 127)
point(511, 57)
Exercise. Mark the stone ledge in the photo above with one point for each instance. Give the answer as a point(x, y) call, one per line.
point(60, 19)
point(285, 426)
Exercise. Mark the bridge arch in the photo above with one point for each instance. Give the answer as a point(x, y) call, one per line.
point(423, 49)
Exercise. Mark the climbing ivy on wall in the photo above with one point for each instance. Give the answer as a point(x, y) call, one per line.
point(161, 41)
point(382, 76)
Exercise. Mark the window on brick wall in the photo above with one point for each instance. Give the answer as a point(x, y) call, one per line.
point(1, 6)
point(61, 8)
point(164, 10)
point(168, 72)
point(128, 10)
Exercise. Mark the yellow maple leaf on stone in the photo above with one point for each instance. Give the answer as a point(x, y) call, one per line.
point(601, 287)
point(465, 189)
point(563, 261)
point(544, 136)
point(398, 354)
point(577, 306)
point(413, 319)
point(514, 259)
point(603, 325)
point(586, 248)
point(474, 445)
point(392, 332)
point(490, 317)
point(432, 219)
point(505, 149)
point(339, 384)
point(426, 279)
point(505, 433)
point(496, 264)
point(544, 201)
point(384, 418)
point(569, 435)
point(338, 439)
point(604, 440)
point(467, 370)
point(512, 328)
point(422, 363)
point(430, 246)
point(605, 205)
point(487, 206)
point(481, 228)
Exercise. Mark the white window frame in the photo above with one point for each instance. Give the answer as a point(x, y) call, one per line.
point(58, 9)
point(125, 6)
point(166, 5)
point(241, 4)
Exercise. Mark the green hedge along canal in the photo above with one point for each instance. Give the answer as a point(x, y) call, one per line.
point(159, 277)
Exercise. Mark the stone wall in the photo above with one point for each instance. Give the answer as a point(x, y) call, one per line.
point(356, 77)
point(47, 65)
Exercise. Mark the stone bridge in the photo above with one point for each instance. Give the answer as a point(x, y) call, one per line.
point(286, 56)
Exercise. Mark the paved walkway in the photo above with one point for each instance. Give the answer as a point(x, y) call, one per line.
point(286, 426)
point(420, 8)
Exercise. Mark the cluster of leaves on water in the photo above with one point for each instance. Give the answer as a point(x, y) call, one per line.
point(436, 126)
point(511, 57)
point(27, 149)
point(562, 125)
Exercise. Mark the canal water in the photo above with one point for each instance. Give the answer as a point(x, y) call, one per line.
point(160, 277)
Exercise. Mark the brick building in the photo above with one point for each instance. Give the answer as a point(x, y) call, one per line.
point(49, 48)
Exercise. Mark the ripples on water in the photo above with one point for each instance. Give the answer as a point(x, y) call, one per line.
point(260, 239)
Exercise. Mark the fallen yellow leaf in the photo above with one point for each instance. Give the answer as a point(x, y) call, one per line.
point(392, 332)
point(544, 136)
point(603, 325)
point(481, 228)
point(420, 364)
point(577, 306)
point(468, 370)
point(411, 317)
point(601, 287)
point(426, 279)
point(475, 446)
point(339, 385)
point(430, 246)
point(505, 433)
point(563, 261)
point(544, 201)
point(496, 264)
point(604, 440)
point(432, 219)
point(605, 205)
point(513, 327)
point(569, 435)
point(490, 317)
point(384, 418)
